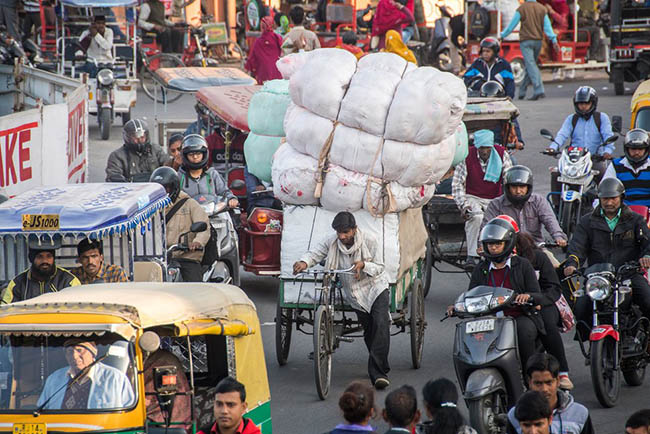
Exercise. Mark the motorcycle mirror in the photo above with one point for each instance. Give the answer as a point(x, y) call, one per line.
point(149, 342)
point(198, 227)
point(617, 124)
point(611, 139)
point(546, 134)
point(237, 184)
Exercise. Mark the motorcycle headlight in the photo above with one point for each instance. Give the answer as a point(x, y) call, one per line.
point(105, 77)
point(478, 304)
point(598, 288)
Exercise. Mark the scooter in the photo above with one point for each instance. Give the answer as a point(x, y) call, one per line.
point(577, 180)
point(486, 356)
point(443, 53)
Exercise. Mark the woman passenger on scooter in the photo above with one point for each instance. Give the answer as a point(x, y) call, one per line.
point(551, 290)
point(197, 178)
point(502, 268)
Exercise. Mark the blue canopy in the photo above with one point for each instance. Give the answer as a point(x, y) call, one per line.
point(94, 210)
point(99, 3)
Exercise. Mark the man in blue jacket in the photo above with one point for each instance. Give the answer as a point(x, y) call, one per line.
point(490, 67)
point(633, 170)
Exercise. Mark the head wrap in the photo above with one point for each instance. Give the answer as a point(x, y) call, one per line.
point(485, 139)
point(395, 44)
point(267, 24)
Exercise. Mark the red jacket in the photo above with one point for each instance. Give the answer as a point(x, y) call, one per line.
point(245, 427)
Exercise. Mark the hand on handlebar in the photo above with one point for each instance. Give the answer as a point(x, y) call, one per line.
point(194, 245)
point(233, 203)
point(358, 266)
point(450, 310)
point(607, 156)
point(523, 298)
point(550, 151)
point(561, 242)
point(299, 267)
point(570, 270)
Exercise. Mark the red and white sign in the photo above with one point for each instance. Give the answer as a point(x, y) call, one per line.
point(20, 151)
point(77, 144)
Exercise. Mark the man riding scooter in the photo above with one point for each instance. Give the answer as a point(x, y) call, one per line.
point(612, 234)
point(633, 170)
point(489, 66)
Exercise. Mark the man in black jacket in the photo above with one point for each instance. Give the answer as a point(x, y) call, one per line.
point(613, 234)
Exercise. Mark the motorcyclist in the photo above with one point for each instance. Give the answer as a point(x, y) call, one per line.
point(137, 158)
point(531, 211)
point(489, 66)
point(502, 268)
point(196, 177)
point(612, 234)
point(586, 128)
point(179, 218)
point(633, 170)
point(43, 275)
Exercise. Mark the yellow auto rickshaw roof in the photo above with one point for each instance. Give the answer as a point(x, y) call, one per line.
point(641, 93)
point(194, 307)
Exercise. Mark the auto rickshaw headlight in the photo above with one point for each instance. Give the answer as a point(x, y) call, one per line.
point(598, 288)
point(105, 77)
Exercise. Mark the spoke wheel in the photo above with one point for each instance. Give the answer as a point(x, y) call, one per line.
point(427, 268)
point(606, 379)
point(283, 329)
point(322, 351)
point(417, 323)
point(150, 86)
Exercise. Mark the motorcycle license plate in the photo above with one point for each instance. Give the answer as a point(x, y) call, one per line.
point(29, 428)
point(482, 325)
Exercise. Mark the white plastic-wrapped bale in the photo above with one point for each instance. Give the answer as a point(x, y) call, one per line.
point(294, 176)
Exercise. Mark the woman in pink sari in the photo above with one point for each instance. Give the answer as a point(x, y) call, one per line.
point(266, 51)
point(390, 15)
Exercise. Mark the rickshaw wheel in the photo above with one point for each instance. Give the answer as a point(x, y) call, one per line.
point(147, 82)
point(322, 351)
point(518, 70)
point(283, 329)
point(417, 323)
point(427, 268)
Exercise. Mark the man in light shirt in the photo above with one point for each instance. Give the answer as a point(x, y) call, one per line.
point(97, 42)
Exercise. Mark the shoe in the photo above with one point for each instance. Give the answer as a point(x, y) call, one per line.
point(521, 96)
point(381, 383)
point(565, 382)
point(536, 97)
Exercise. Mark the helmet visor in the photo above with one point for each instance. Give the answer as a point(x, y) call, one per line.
point(519, 176)
point(495, 232)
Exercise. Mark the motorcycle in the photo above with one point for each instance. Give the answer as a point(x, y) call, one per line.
point(486, 356)
point(105, 98)
point(577, 180)
point(619, 334)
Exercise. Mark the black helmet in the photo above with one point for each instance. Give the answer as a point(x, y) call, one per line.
point(492, 43)
point(518, 175)
point(168, 178)
point(492, 88)
point(133, 133)
point(636, 139)
point(611, 187)
point(498, 229)
point(585, 94)
point(194, 143)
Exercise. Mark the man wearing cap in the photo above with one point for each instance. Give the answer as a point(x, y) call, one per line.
point(86, 383)
point(93, 269)
point(43, 276)
point(477, 181)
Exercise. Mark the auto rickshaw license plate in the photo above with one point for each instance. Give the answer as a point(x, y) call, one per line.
point(482, 325)
point(40, 222)
point(29, 428)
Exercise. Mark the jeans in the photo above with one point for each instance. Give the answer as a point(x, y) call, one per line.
point(90, 68)
point(530, 50)
point(190, 270)
point(376, 334)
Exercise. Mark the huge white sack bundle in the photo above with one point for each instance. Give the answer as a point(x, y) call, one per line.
point(259, 151)
point(321, 83)
point(289, 64)
point(462, 145)
point(428, 107)
point(294, 176)
point(267, 108)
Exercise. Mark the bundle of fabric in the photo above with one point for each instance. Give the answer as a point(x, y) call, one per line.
point(376, 134)
point(266, 122)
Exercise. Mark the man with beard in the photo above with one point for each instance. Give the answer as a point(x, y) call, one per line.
point(43, 276)
point(366, 289)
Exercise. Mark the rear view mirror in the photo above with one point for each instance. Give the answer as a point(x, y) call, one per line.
point(149, 342)
point(546, 134)
point(198, 227)
point(617, 124)
point(612, 139)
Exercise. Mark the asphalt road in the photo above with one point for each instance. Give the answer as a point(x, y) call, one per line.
point(295, 404)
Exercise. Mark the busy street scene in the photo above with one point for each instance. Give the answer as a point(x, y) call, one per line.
point(332, 216)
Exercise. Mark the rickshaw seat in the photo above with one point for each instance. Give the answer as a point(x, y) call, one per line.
point(118, 356)
point(147, 271)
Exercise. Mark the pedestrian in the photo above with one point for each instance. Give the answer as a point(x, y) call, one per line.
point(9, 18)
point(265, 52)
point(401, 410)
point(533, 413)
point(389, 15)
point(534, 24)
point(569, 417)
point(299, 38)
point(229, 408)
point(638, 422)
point(440, 403)
point(358, 406)
point(31, 19)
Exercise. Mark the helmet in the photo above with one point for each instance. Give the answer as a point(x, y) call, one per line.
point(611, 187)
point(492, 88)
point(492, 43)
point(518, 175)
point(636, 139)
point(168, 178)
point(585, 94)
point(499, 229)
point(133, 133)
point(194, 143)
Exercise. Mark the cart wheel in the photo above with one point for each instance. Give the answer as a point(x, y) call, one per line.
point(427, 268)
point(283, 328)
point(619, 87)
point(417, 322)
point(149, 85)
point(518, 70)
point(322, 351)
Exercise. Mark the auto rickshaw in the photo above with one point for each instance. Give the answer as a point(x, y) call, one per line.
point(199, 332)
point(128, 218)
point(640, 107)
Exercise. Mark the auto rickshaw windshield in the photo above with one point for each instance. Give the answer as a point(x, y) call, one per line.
point(643, 119)
point(66, 374)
